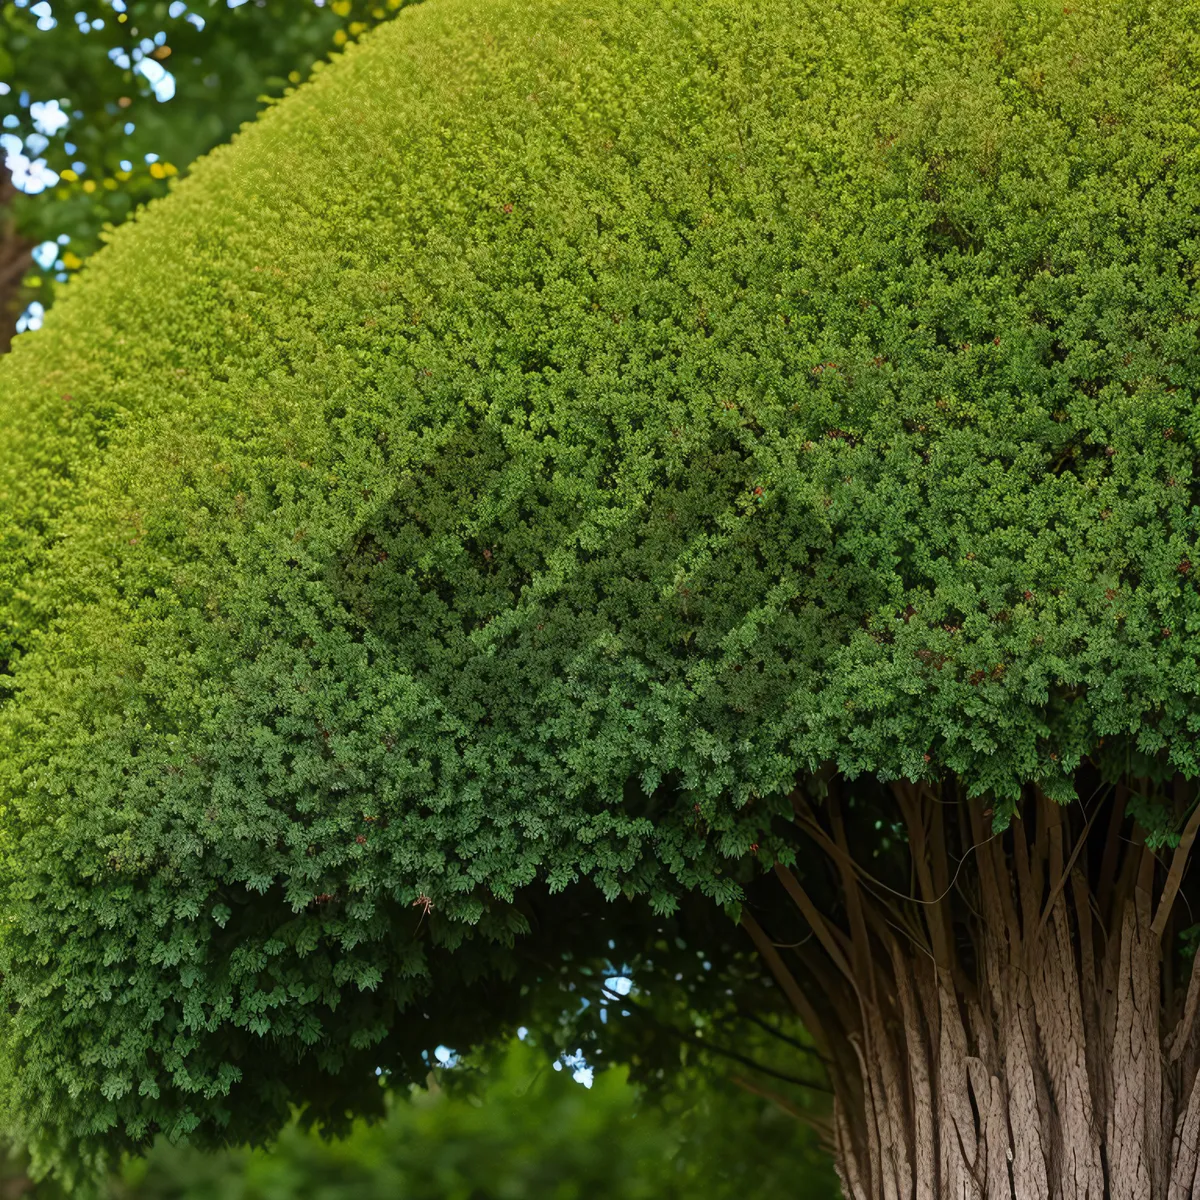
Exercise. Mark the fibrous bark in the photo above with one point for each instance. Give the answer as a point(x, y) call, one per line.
point(1015, 1026)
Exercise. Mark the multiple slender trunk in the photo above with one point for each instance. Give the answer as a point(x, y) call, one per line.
point(1013, 1025)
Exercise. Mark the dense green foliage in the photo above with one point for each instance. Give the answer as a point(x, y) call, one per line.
point(524, 451)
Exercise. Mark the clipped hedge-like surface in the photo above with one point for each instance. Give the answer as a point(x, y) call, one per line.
point(530, 445)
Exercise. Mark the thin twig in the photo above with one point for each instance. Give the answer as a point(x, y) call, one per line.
point(785, 979)
point(1175, 875)
point(746, 1015)
point(812, 933)
point(1058, 887)
point(820, 1124)
point(695, 1040)
point(869, 878)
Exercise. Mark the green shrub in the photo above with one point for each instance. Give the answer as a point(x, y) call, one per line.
point(522, 452)
point(523, 1131)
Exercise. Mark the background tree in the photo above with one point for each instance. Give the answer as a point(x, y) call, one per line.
point(521, 1130)
point(666, 462)
point(103, 105)
point(509, 1125)
point(531, 1131)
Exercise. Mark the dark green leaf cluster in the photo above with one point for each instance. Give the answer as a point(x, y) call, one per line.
point(530, 446)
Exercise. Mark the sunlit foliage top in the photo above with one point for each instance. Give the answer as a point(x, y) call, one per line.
point(102, 103)
point(531, 445)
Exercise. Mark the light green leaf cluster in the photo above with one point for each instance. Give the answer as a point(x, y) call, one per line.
point(526, 449)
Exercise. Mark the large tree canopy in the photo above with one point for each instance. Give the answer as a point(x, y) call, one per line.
point(530, 449)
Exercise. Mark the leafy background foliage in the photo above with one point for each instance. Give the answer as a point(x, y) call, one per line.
point(638, 409)
point(531, 1131)
point(506, 1126)
point(118, 130)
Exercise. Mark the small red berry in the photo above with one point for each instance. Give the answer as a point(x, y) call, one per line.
point(753, 847)
point(361, 840)
point(758, 491)
point(1028, 597)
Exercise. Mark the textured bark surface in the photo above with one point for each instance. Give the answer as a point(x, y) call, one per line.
point(1014, 1025)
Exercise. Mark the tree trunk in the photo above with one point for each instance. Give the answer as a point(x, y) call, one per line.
point(1011, 1028)
point(16, 257)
